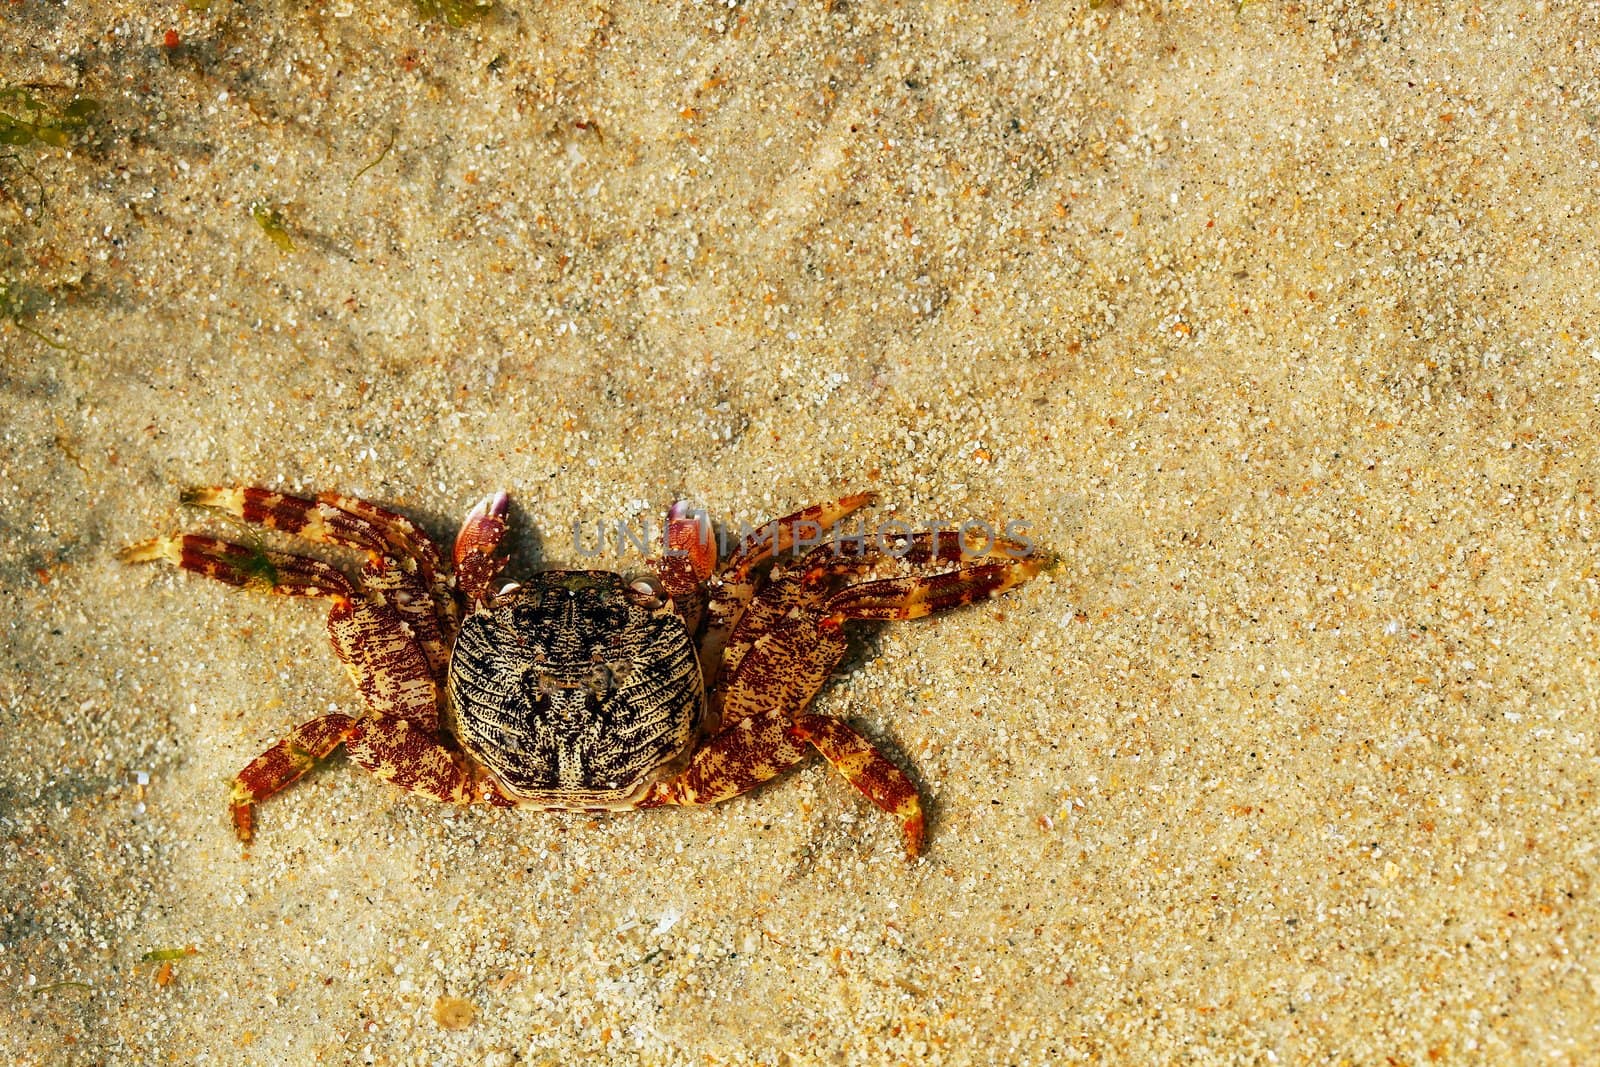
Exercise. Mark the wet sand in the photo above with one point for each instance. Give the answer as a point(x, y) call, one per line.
point(1277, 327)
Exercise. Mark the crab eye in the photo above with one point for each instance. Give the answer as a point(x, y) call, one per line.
point(647, 591)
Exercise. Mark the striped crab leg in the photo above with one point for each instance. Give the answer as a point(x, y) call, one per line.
point(810, 585)
point(781, 666)
point(398, 738)
point(731, 589)
point(758, 748)
point(402, 567)
point(245, 566)
point(282, 765)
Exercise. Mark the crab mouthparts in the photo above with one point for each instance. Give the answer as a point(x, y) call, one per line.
point(598, 679)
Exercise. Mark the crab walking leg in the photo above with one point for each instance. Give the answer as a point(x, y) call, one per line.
point(810, 580)
point(401, 752)
point(913, 598)
point(754, 750)
point(330, 519)
point(784, 665)
point(805, 587)
point(864, 767)
point(242, 565)
point(408, 544)
point(795, 593)
point(402, 535)
point(282, 765)
point(385, 662)
point(783, 668)
point(760, 747)
point(402, 590)
point(477, 545)
point(403, 564)
point(731, 590)
point(778, 536)
point(313, 520)
point(399, 740)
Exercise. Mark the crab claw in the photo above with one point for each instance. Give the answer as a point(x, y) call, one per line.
point(688, 558)
point(691, 549)
point(477, 544)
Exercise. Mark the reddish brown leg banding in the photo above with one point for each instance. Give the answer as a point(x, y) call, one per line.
point(405, 548)
point(310, 519)
point(403, 590)
point(864, 767)
point(339, 520)
point(912, 598)
point(386, 664)
point(242, 565)
point(730, 592)
point(282, 765)
point(778, 536)
point(804, 587)
point(799, 591)
point(783, 668)
point(402, 537)
point(399, 751)
point(739, 758)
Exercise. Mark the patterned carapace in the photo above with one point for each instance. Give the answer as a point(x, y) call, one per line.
point(575, 689)
point(579, 689)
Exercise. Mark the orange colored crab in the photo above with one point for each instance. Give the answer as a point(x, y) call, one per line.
point(579, 689)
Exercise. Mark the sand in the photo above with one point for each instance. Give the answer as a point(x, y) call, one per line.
point(1277, 326)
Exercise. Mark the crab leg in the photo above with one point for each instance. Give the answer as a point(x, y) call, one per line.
point(805, 588)
point(754, 750)
point(399, 751)
point(282, 765)
point(763, 723)
point(864, 767)
point(403, 536)
point(398, 739)
point(760, 747)
point(402, 590)
point(314, 520)
point(731, 591)
point(786, 665)
point(421, 582)
point(914, 598)
point(778, 536)
point(392, 749)
point(393, 542)
point(386, 664)
point(783, 664)
point(242, 565)
point(783, 668)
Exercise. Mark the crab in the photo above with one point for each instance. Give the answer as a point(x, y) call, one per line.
point(580, 689)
